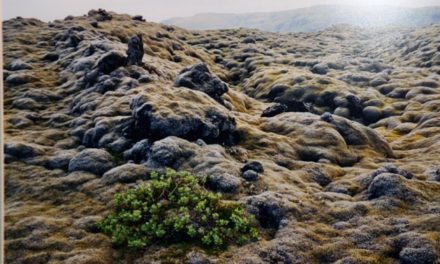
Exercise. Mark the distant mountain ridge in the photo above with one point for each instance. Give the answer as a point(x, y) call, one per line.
point(313, 18)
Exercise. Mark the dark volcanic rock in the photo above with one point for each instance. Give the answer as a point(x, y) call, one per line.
point(225, 182)
point(135, 51)
point(267, 208)
point(61, 159)
point(111, 61)
point(391, 168)
point(139, 151)
point(138, 18)
point(414, 248)
point(170, 152)
point(372, 114)
point(390, 185)
point(51, 56)
point(22, 150)
point(292, 105)
point(254, 165)
point(125, 173)
point(211, 125)
point(100, 15)
point(20, 78)
point(250, 175)
point(417, 256)
point(198, 77)
point(320, 69)
point(96, 161)
point(434, 174)
point(274, 110)
point(18, 65)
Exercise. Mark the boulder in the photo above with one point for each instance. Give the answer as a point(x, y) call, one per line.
point(417, 256)
point(198, 77)
point(61, 159)
point(415, 248)
point(170, 152)
point(378, 81)
point(138, 18)
point(248, 40)
point(354, 105)
point(96, 161)
point(225, 182)
point(26, 103)
point(20, 78)
point(250, 175)
point(125, 173)
point(100, 15)
point(18, 65)
point(22, 149)
point(268, 208)
point(391, 168)
point(157, 118)
point(342, 111)
point(390, 185)
point(433, 174)
point(139, 151)
point(253, 165)
point(51, 56)
point(110, 61)
point(320, 68)
point(135, 51)
point(372, 114)
point(274, 110)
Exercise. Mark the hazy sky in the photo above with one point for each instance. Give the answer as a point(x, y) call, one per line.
point(157, 10)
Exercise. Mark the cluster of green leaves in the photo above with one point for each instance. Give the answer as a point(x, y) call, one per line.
point(175, 207)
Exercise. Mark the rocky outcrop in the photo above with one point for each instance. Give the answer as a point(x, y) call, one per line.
point(198, 77)
point(198, 117)
point(135, 51)
point(96, 161)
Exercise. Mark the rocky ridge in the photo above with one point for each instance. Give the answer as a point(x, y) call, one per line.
point(330, 139)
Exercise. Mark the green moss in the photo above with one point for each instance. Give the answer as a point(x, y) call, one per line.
point(175, 207)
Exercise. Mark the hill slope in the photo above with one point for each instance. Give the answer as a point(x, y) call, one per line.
point(345, 124)
point(313, 18)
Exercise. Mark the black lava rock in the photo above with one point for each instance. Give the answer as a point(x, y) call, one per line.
point(274, 110)
point(327, 117)
point(139, 151)
point(225, 182)
point(138, 18)
point(100, 15)
point(391, 186)
point(96, 161)
point(110, 61)
point(320, 69)
point(214, 126)
point(51, 56)
point(391, 168)
point(254, 165)
point(198, 77)
point(268, 209)
point(250, 175)
point(135, 51)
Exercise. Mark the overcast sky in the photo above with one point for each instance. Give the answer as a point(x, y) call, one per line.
point(157, 10)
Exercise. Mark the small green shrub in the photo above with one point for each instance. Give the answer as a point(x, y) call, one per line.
point(175, 207)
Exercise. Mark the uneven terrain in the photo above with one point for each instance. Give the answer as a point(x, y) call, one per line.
point(331, 139)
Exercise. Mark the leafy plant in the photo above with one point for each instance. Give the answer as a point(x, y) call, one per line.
point(175, 207)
